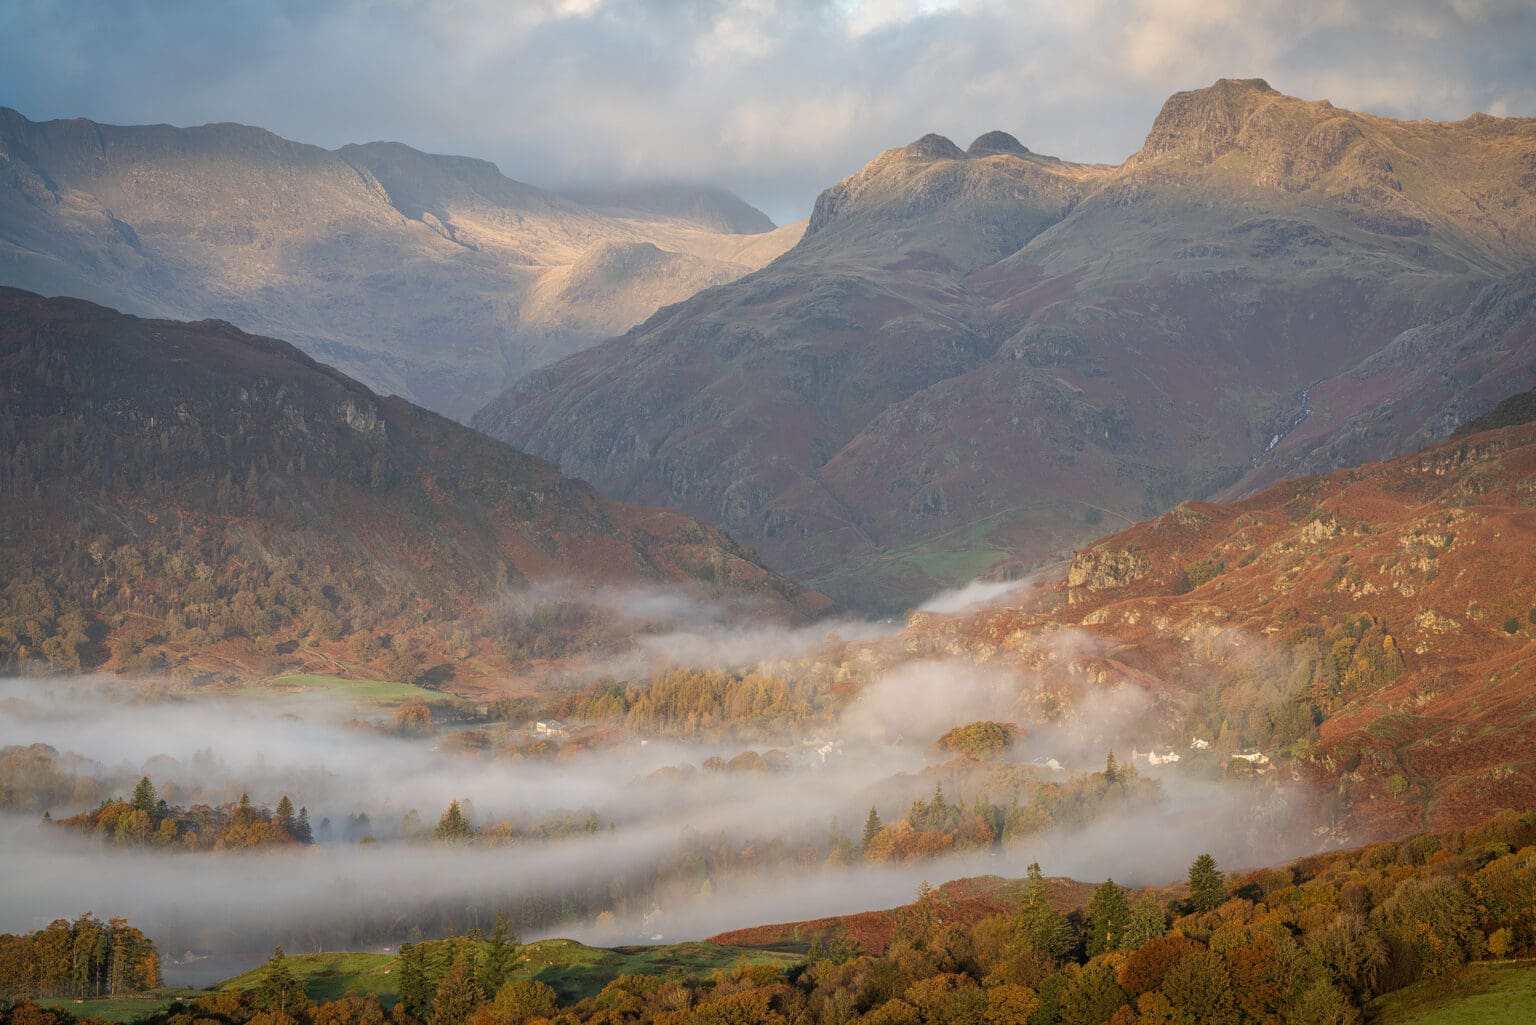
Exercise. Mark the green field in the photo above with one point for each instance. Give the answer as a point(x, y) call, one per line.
point(328, 976)
point(1486, 993)
point(572, 969)
point(122, 1009)
point(575, 971)
point(382, 692)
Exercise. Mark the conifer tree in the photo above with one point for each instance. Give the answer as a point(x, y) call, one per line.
point(453, 827)
point(500, 956)
point(1207, 889)
point(1108, 914)
point(301, 830)
point(871, 827)
point(144, 797)
point(1039, 924)
point(458, 994)
point(285, 817)
point(1147, 921)
point(415, 987)
point(279, 991)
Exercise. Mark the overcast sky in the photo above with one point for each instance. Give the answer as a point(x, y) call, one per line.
point(774, 100)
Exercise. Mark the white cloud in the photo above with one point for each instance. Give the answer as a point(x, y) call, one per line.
point(774, 100)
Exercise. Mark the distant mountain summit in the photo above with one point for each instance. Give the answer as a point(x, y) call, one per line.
point(978, 359)
point(190, 497)
point(715, 209)
point(424, 275)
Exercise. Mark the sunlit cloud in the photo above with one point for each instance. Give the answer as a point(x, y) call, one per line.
point(773, 100)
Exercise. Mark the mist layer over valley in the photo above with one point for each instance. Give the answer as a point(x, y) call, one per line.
point(604, 834)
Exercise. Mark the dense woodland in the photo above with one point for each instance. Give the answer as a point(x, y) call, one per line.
point(166, 487)
point(146, 820)
point(83, 958)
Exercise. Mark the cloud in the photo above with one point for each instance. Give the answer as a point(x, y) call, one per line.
point(774, 100)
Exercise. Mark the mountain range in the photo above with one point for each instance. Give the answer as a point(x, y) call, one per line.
point(187, 497)
point(976, 360)
point(432, 277)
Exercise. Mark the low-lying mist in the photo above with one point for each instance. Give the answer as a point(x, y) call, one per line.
point(674, 840)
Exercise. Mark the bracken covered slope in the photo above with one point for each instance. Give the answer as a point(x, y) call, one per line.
point(190, 495)
point(983, 357)
point(433, 277)
point(1371, 632)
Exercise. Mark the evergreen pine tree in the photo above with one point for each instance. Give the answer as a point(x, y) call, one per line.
point(1207, 889)
point(1039, 924)
point(500, 956)
point(415, 987)
point(458, 994)
point(1111, 770)
point(453, 827)
point(144, 797)
point(301, 830)
point(279, 991)
point(285, 817)
point(1108, 914)
point(1147, 921)
point(871, 827)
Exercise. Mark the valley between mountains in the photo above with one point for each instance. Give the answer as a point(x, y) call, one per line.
point(602, 606)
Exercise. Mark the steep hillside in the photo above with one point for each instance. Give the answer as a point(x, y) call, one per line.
point(1371, 632)
point(192, 497)
point(433, 277)
point(984, 357)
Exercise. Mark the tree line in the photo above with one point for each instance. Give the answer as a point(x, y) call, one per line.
point(83, 958)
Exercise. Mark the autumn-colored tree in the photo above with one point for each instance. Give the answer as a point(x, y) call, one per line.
point(1009, 1004)
point(872, 828)
point(1145, 968)
point(413, 719)
point(978, 739)
point(1198, 989)
point(1091, 995)
point(453, 827)
point(517, 1003)
point(458, 992)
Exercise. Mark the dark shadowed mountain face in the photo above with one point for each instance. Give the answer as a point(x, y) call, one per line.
point(981, 358)
point(205, 494)
point(428, 276)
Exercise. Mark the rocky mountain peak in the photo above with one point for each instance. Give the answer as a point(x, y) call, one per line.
point(1201, 124)
point(990, 143)
point(933, 147)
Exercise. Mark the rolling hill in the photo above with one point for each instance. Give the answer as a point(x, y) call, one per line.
point(979, 358)
point(1369, 632)
point(188, 497)
point(429, 276)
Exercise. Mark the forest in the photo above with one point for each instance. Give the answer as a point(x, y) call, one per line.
point(83, 958)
